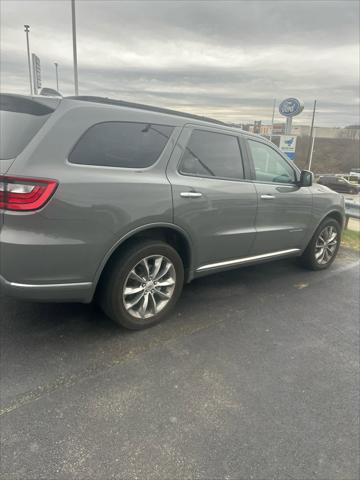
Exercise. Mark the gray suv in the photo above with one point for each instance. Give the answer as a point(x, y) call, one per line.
point(124, 203)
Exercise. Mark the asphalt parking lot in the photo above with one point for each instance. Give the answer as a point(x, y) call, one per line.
point(254, 376)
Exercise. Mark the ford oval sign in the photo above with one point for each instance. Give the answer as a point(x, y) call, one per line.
point(291, 107)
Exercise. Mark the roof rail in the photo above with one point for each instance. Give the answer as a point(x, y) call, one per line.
point(123, 103)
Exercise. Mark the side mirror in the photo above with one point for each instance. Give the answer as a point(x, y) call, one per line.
point(306, 178)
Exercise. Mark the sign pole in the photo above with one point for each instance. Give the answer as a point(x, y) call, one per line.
point(36, 72)
point(289, 108)
point(27, 29)
point(288, 125)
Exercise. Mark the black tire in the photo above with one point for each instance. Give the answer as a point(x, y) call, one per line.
point(308, 258)
point(112, 286)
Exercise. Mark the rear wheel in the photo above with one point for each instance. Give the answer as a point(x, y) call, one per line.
point(323, 247)
point(142, 285)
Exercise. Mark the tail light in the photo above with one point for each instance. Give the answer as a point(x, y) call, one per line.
point(25, 194)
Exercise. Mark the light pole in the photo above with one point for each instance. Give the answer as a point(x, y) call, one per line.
point(73, 18)
point(27, 29)
point(57, 76)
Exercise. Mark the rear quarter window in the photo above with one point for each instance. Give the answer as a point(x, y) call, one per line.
point(121, 144)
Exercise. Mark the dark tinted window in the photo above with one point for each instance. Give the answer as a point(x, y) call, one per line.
point(20, 120)
point(270, 165)
point(121, 144)
point(211, 154)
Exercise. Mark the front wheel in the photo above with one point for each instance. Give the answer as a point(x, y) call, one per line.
point(142, 284)
point(323, 247)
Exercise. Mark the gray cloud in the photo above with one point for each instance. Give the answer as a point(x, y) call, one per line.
point(226, 59)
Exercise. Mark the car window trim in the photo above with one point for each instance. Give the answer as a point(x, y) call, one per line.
point(201, 128)
point(252, 166)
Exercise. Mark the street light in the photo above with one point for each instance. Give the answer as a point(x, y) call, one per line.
point(57, 76)
point(73, 18)
point(27, 30)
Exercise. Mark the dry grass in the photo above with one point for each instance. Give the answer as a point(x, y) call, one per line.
point(351, 239)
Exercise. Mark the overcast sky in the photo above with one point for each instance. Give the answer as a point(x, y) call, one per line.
point(218, 58)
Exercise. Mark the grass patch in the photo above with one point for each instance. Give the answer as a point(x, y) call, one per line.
point(351, 239)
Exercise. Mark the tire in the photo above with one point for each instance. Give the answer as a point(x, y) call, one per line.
point(128, 270)
point(313, 250)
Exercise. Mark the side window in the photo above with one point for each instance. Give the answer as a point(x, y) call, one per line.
point(121, 144)
point(269, 165)
point(210, 154)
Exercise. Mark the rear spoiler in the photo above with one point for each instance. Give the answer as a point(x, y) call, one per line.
point(26, 104)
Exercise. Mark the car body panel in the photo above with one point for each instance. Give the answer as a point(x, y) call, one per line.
point(222, 220)
point(284, 210)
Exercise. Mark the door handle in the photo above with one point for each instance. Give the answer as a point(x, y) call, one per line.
point(267, 197)
point(190, 194)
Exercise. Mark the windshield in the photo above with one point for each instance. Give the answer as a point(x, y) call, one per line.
point(20, 119)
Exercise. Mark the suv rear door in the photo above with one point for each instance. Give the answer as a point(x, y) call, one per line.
point(284, 209)
point(213, 201)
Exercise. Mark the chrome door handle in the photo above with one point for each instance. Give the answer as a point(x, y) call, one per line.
point(267, 197)
point(190, 194)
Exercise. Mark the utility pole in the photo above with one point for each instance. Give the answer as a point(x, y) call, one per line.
point(312, 149)
point(311, 134)
point(272, 120)
point(57, 76)
point(73, 18)
point(27, 29)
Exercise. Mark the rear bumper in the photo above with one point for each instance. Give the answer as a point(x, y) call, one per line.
point(54, 292)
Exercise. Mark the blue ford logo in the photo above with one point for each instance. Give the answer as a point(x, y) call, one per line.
point(291, 107)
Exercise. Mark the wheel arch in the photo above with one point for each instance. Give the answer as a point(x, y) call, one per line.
point(336, 215)
point(170, 233)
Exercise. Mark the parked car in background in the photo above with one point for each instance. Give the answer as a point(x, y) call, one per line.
point(355, 174)
point(339, 184)
point(124, 203)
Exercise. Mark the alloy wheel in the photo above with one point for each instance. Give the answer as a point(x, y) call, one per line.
point(326, 245)
point(149, 286)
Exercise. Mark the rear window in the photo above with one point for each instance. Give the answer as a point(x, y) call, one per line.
point(20, 120)
point(121, 144)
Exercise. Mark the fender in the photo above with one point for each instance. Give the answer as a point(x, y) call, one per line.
point(338, 211)
point(133, 232)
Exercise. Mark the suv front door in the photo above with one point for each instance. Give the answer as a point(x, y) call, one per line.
point(212, 200)
point(284, 209)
